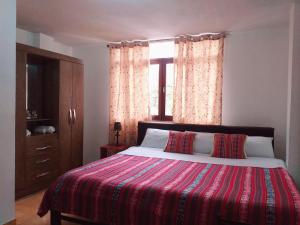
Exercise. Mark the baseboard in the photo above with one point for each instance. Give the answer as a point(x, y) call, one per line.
point(13, 222)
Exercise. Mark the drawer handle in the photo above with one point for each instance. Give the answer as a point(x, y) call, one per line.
point(43, 148)
point(42, 161)
point(42, 175)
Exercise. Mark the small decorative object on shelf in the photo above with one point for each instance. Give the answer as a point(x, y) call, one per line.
point(109, 150)
point(117, 129)
point(44, 130)
point(28, 133)
point(34, 114)
point(28, 115)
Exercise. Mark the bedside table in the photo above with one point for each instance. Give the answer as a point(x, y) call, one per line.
point(109, 150)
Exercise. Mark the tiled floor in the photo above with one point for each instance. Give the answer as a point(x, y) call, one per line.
point(26, 209)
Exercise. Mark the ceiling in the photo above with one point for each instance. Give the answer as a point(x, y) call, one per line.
point(83, 21)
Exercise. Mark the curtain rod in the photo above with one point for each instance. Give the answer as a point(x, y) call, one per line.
point(167, 39)
point(149, 40)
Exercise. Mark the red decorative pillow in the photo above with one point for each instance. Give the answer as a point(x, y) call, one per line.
point(230, 146)
point(180, 142)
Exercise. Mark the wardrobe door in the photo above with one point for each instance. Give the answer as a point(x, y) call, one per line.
point(20, 121)
point(77, 110)
point(65, 115)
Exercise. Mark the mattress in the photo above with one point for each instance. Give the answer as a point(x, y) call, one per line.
point(205, 158)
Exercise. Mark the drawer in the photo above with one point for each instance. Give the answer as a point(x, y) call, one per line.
point(39, 162)
point(42, 177)
point(42, 168)
point(41, 144)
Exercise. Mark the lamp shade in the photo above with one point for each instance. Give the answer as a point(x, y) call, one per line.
point(117, 126)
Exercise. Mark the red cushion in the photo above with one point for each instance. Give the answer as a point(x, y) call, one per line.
point(229, 146)
point(180, 142)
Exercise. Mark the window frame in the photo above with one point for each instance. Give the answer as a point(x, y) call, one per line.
point(162, 88)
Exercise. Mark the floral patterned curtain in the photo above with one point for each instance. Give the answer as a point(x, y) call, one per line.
point(129, 94)
point(199, 73)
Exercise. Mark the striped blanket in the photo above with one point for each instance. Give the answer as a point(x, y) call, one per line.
point(138, 190)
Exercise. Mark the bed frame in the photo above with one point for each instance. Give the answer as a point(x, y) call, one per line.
point(56, 217)
point(250, 131)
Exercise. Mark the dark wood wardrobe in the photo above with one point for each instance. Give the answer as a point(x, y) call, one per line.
point(49, 117)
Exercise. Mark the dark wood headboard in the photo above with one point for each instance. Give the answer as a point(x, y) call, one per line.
point(250, 131)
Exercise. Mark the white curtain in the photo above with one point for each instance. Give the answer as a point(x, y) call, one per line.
point(199, 74)
point(129, 92)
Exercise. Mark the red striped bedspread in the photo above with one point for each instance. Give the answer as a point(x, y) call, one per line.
point(138, 190)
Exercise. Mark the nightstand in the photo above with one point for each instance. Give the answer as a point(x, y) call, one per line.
point(109, 150)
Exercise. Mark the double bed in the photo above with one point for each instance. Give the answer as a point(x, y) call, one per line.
point(143, 185)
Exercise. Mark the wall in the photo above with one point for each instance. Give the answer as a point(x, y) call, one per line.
point(7, 112)
point(293, 119)
point(255, 81)
point(28, 38)
point(47, 42)
point(254, 88)
point(42, 41)
point(96, 98)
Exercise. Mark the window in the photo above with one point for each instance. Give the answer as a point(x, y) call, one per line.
point(161, 79)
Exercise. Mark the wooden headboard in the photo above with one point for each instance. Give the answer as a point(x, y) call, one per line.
point(250, 131)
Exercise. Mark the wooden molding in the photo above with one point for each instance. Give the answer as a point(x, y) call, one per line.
point(13, 222)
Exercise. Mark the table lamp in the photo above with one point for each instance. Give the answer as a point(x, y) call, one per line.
point(117, 129)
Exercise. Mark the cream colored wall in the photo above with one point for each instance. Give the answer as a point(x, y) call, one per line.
point(49, 43)
point(28, 38)
point(293, 120)
point(96, 94)
point(255, 81)
point(7, 112)
point(254, 92)
point(42, 41)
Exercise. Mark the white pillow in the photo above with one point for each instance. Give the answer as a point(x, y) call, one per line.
point(155, 138)
point(259, 147)
point(203, 142)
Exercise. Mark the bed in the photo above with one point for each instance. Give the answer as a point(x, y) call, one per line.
point(149, 186)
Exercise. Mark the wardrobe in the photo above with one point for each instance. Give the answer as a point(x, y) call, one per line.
point(49, 117)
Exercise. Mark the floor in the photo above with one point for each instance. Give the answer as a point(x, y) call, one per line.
point(26, 209)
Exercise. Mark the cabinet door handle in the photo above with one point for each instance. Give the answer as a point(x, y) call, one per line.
point(74, 116)
point(42, 161)
point(42, 175)
point(70, 116)
point(43, 148)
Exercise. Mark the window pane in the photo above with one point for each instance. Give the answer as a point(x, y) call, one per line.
point(169, 89)
point(163, 49)
point(154, 82)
